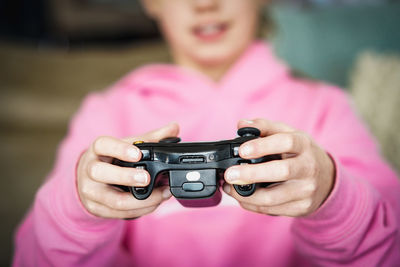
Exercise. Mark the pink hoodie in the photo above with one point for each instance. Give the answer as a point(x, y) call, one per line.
point(358, 225)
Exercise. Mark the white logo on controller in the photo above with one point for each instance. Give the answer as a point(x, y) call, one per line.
point(193, 176)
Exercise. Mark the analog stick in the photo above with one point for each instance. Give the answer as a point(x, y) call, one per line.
point(248, 131)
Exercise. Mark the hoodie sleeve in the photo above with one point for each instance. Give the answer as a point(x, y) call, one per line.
point(358, 225)
point(58, 231)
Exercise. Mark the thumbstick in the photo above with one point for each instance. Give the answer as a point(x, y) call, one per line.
point(248, 131)
point(170, 140)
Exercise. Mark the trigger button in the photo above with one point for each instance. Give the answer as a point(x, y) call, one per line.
point(146, 154)
point(246, 187)
point(236, 151)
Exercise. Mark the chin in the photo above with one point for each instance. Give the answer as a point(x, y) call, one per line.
point(215, 55)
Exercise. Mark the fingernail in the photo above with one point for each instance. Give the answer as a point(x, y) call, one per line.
point(140, 177)
point(227, 188)
point(232, 174)
point(166, 193)
point(133, 153)
point(246, 150)
point(247, 121)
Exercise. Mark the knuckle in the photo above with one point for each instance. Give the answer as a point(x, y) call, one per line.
point(93, 169)
point(98, 144)
point(84, 157)
point(269, 200)
point(91, 207)
point(289, 142)
point(306, 205)
point(117, 203)
point(285, 170)
point(245, 205)
point(86, 191)
point(264, 210)
point(311, 188)
point(307, 143)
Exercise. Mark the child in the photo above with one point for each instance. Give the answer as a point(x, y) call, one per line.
point(338, 203)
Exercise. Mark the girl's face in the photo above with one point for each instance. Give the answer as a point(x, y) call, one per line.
point(206, 32)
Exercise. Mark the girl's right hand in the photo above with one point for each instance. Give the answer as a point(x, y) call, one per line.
point(96, 175)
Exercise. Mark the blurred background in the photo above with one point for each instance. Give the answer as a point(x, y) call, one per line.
point(53, 52)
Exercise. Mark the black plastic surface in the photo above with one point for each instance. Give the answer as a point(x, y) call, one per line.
point(194, 170)
point(192, 186)
point(170, 140)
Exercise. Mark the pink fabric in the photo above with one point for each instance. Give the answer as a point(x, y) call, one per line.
point(358, 225)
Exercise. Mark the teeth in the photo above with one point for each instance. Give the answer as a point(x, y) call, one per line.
point(209, 29)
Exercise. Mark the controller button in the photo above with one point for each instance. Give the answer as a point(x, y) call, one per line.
point(248, 131)
point(146, 154)
point(246, 187)
point(138, 142)
point(192, 159)
point(236, 151)
point(140, 190)
point(192, 187)
point(193, 176)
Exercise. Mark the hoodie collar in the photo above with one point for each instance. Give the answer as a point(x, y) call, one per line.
point(255, 70)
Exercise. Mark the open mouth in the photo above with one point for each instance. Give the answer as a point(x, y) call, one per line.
point(210, 31)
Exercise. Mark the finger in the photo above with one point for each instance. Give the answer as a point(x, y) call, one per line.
point(272, 171)
point(111, 174)
point(169, 130)
point(100, 210)
point(280, 143)
point(265, 126)
point(124, 201)
point(276, 195)
point(107, 146)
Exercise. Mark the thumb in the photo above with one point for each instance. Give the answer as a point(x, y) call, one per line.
point(265, 126)
point(169, 130)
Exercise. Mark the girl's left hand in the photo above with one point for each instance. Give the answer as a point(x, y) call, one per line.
point(305, 175)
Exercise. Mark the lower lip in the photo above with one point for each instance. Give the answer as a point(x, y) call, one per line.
point(211, 37)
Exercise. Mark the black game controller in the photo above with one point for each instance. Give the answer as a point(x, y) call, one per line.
point(194, 171)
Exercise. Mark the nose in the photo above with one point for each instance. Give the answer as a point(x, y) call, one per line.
point(205, 5)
